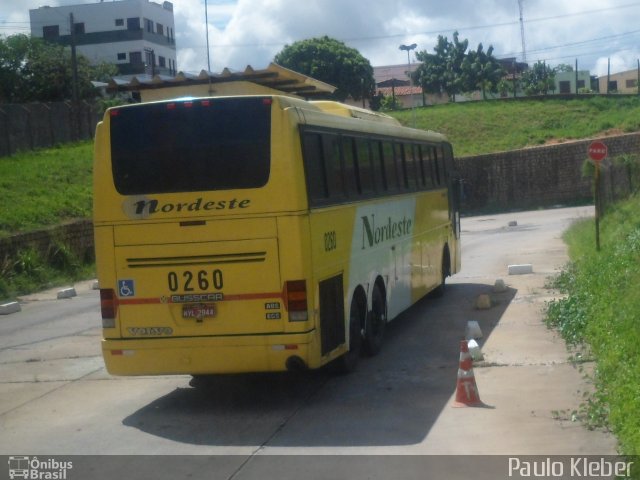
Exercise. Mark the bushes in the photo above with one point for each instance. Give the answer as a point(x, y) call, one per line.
point(30, 270)
point(601, 311)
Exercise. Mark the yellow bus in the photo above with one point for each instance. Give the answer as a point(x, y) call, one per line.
point(263, 233)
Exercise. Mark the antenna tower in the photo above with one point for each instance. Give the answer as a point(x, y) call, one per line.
point(524, 47)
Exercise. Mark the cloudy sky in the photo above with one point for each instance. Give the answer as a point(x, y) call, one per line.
point(251, 32)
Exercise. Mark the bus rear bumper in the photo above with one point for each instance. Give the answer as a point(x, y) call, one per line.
point(207, 355)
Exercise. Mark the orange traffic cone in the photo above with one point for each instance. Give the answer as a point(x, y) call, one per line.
point(466, 389)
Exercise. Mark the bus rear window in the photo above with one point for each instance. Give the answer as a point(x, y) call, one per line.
point(191, 145)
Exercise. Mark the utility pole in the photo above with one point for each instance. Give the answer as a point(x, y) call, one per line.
point(408, 48)
point(524, 47)
point(206, 20)
point(74, 61)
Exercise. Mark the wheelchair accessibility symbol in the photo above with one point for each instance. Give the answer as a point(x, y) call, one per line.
point(126, 288)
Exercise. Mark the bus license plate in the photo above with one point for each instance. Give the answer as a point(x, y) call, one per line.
point(199, 311)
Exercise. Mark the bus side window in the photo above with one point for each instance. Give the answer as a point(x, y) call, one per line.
point(410, 162)
point(401, 165)
point(439, 163)
point(351, 173)
point(422, 168)
point(390, 169)
point(377, 159)
point(333, 166)
point(433, 166)
point(447, 161)
point(365, 167)
point(314, 168)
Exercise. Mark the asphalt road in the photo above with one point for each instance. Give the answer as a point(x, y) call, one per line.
point(56, 398)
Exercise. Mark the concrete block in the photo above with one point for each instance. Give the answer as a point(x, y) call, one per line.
point(95, 285)
point(513, 223)
point(483, 302)
point(473, 330)
point(9, 307)
point(474, 350)
point(520, 269)
point(499, 286)
point(67, 293)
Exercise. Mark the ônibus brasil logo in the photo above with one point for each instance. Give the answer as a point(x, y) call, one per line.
point(34, 468)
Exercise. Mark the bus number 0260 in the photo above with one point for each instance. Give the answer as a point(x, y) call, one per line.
point(330, 241)
point(189, 281)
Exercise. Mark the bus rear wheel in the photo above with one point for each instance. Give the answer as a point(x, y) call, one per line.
point(375, 323)
point(444, 273)
point(348, 362)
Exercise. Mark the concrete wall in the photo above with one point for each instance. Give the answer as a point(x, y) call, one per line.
point(38, 125)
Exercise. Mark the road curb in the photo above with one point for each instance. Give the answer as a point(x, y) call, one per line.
point(10, 307)
point(67, 293)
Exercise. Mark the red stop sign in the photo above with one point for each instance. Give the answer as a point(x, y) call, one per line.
point(597, 151)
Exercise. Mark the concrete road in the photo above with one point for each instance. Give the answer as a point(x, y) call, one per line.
point(57, 399)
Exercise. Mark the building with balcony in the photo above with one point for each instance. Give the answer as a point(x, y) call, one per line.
point(136, 35)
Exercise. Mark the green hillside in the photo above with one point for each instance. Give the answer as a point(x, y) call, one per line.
point(498, 125)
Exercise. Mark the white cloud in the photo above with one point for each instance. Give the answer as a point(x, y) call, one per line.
point(620, 62)
point(251, 32)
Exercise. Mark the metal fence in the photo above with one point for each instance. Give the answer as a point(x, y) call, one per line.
point(38, 125)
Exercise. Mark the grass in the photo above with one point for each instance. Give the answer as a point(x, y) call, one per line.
point(31, 271)
point(499, 125)
point(45, 187)
point(38, 189)
point(601, 312)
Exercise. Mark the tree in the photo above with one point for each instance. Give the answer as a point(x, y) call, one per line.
point(442, 72)
point(481, 70)
point(34, 70)
point(564, 68)
point(538, 80)
point(333, 62)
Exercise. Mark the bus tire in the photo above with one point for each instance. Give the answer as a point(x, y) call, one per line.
point(348, 362)
point(376, 322)
point(445, 271)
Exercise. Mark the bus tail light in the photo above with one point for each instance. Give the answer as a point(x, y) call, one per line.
point(295, 296)
point(108, 307)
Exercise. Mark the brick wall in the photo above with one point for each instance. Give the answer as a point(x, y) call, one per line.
point(538, 177)
point(77, 236)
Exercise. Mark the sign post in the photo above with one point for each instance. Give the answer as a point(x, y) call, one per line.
point(597, 151)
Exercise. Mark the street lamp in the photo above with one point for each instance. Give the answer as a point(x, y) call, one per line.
point(408, 48)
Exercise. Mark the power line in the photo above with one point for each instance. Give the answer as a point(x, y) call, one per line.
point(574, 44)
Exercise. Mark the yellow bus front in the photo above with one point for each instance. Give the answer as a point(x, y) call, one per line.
point(200, 229)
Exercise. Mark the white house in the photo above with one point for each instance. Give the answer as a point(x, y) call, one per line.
point(136, 35)
point(566, 81)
